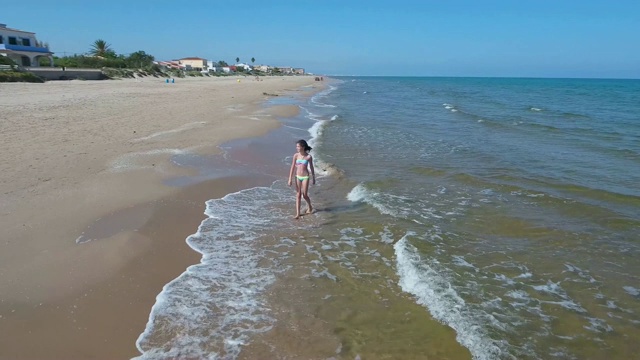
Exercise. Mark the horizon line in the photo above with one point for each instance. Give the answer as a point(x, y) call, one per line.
point(489, 77)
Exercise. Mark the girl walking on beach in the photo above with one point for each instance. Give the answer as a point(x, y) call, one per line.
point(302, 164)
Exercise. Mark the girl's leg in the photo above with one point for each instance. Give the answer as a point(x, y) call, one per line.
point(298, 196)
point(305, 194)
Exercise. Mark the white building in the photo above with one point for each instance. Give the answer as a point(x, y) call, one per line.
point(246, 67)
point(263, 68)
point(213, 66)
point(20, 46)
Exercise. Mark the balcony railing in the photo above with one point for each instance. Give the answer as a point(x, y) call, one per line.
point(24, 48)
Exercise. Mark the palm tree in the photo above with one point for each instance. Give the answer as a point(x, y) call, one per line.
point(100, 48)
point(237, 60)
point(253, 60)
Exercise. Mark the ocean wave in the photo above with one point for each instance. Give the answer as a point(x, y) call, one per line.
point(315, 100)
point(433, 291)
point(214, 308)
point(361, 193)
point(317, 129)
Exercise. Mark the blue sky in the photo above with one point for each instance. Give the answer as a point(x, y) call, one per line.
point(543, 38)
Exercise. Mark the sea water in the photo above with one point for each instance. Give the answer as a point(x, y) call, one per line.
point(500, 214)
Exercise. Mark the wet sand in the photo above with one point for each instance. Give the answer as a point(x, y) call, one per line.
point(88, 162)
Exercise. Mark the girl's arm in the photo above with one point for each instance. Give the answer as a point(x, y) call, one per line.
point(293, 165)
point(313, 172)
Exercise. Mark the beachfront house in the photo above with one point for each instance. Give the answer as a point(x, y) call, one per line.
point(214, 66)
point(193, 63)
point(170, 64)
point(284, 69)
point(298, 71)
point(246, 67)
point(263, 68)
point(22, 47)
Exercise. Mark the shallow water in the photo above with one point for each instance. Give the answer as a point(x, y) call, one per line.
point(456, 218)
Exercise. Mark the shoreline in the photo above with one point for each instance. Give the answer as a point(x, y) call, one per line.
point(118, 201)
point(108, 316)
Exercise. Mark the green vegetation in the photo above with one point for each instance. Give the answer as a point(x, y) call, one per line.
point(101, 55)
point(136, 60)
point(16, 76)
point(113, 65)
point(100, 48)
point(194, 73)
point(44, 61)
point(4, 60)
point(153, 70)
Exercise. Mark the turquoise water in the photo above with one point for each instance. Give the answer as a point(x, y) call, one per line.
point(522, 194)
point(506, 210)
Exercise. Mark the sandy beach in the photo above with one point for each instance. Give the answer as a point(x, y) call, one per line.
point(90, 231)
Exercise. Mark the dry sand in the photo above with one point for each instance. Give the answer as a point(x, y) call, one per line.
point(85, 160)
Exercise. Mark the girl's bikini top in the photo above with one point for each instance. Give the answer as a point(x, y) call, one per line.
point(302, 162)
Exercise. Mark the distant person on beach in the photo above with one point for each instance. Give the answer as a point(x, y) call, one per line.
point(302, 164)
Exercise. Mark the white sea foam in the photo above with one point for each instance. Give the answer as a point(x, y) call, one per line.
point(519, 295)
point(631, 290)
point(184, 127)
point(361, 193)
point(567, 304)
point(316, 98)
point(420, 211)
point(557, 291)
point(309, 114)
point(316, 131)
point(460, 261)
point(386, 236)
point(450, 107)
point(434, 291)
point(138, 160)
point(551, 288)
point(213, 308)
point(358, 193)
point(581, 273)
point(349, 236)
point(598, 325)
point(293, 127)
point(323, 273)
point(505, 279)
point(525, 275)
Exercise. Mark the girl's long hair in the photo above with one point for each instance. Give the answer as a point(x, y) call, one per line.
point(304, 145)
